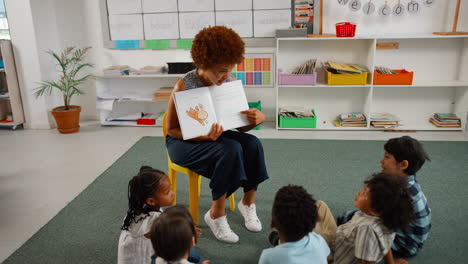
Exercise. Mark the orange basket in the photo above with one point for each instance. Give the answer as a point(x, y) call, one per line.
point(345, 29)
point(402, 77)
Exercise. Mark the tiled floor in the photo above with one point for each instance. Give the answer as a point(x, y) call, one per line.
point(42, 170)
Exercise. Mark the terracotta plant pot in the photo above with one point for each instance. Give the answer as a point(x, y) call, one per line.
point(68, 121)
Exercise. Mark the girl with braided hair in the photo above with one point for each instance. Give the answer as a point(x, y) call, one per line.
point(147, 193)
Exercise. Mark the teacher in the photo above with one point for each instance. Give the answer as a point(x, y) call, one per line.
point(230, 159)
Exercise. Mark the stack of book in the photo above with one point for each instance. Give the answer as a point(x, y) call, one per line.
point(344, 68)
point(445, 120)
point(149, 70)
point(159, 119)
point(116, 70)
point(384, 120)
point(162, 94)
point(351, 120)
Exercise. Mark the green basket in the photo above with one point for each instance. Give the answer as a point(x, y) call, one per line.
point(257, 105)
point(291, 122)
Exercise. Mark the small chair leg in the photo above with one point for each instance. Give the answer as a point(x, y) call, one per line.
point(232, 203)
point(173, 178)
point(194, 193)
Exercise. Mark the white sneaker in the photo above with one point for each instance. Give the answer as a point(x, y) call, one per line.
point(252, 223)
point(221, 229)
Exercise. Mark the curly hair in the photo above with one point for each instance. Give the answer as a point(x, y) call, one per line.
point(217, 45)
point(294, 212)
point(172, 233)
point(407, 148)
point(391, 199)
point(140, 187)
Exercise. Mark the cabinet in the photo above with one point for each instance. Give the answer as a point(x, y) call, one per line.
point(440, 84)
point(10, 98)
point(127, 95)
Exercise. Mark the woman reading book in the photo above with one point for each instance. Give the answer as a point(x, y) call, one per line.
point(230, 159)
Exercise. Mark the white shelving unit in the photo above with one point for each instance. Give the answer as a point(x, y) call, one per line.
point(10, 105)
point(130, 94)
point(440, 83)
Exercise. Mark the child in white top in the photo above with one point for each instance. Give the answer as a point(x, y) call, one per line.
point(173, 235)
point(147, 193)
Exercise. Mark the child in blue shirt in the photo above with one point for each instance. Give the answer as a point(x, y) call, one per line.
point(294, 215)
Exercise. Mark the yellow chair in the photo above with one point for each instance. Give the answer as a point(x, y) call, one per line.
point(194, 182)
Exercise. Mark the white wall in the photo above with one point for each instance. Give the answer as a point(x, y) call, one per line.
point(55, 24)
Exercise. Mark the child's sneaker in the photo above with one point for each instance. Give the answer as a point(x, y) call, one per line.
point(252, 223)
point(221, 229)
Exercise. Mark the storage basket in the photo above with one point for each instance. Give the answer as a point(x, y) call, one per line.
point(297, 79)
point(346, 79)
point(257, 105)
point(292, 122)
point(403, 77)
point(345, 29)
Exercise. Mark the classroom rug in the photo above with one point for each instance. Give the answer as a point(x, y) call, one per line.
point(87, 229)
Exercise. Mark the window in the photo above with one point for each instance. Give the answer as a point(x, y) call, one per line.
point(4, 31)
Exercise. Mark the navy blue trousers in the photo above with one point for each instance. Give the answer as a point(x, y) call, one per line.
point(235, 160)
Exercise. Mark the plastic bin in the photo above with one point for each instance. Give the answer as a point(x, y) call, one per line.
point(297, 79)
point(257, 105)
point(292, 122)
point(403, 77)
point(346, 79)
point(180, 67)
point(345, 29)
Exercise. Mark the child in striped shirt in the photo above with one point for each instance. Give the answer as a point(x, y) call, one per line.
point(384, 205)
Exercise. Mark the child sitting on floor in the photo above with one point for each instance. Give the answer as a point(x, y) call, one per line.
point(173, 236)
point(404, 156)
point(294, 215)
point(384, 205)
point(147, 193)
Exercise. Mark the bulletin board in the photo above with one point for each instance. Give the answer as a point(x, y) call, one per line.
point(133, 22)
point(257, 70)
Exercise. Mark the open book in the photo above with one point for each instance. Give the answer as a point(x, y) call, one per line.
point(197, 109)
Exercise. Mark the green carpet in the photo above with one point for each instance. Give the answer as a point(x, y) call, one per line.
point(87, 229)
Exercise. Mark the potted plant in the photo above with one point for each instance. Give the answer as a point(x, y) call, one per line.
point(71, 63)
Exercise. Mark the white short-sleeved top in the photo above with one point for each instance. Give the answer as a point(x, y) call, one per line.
point(134, 247)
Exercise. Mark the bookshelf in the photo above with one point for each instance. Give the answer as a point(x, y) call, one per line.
point(130, 94)
point(11, 104)
point(440, 84)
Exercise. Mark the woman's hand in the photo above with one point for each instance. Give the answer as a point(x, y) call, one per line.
point(216, 131)
point(254, 116)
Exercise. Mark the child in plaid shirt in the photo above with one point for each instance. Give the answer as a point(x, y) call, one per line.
point(403, 157)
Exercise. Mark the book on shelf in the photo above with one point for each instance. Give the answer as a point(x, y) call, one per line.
point(384, 120)
point(295, 112)
point(117, 70)
point(355, 119)
point(197, 109)
point(344, 68)
point(446, 116)
point(149, 70)
point(163, 94)
point(445, 120)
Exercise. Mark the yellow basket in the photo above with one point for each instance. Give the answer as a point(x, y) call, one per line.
point(346, 79)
